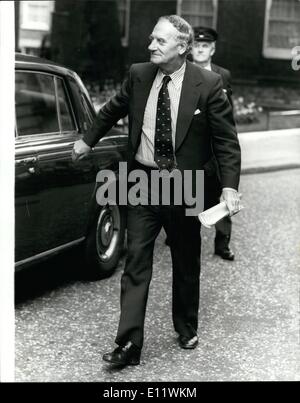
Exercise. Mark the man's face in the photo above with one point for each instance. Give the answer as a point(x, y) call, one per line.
point(165, 49)
point(203, 51)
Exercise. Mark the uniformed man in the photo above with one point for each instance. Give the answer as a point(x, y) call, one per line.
point(203, 49)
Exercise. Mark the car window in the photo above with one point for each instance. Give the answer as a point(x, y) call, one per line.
point(84, 114)
point(36, 110)
point(87, 111)
point(66, 121)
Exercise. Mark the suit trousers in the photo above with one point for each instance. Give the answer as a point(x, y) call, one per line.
point(144, 223)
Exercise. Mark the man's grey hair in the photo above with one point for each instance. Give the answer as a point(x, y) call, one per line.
point(185, 31)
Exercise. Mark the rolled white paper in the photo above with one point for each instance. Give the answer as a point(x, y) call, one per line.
point(214, 214)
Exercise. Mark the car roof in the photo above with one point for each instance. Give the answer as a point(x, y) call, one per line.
point(24, 61)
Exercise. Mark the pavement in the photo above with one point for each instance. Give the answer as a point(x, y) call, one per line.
point(248, 320)
point(272, 150)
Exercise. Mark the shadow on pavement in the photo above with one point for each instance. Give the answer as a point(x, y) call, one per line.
point(46, 276)
point(59, 271)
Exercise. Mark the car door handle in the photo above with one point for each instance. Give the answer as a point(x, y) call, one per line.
point(31, 170)
point(25, 161)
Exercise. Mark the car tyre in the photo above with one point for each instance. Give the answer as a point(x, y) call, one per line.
point(105, 242)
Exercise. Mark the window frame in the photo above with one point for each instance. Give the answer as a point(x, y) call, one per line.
point(35, 25)
point(271, 52)
point(87, 108)
point(126, 10)
point(69, 105)
point(215, 4)
point(68, 100)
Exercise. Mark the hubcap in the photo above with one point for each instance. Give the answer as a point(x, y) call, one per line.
point(108, 229)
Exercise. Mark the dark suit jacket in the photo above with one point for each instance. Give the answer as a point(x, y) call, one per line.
point(226, 78)
point(196, 135)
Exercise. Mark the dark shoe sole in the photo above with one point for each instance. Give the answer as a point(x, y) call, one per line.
point(111, 361)
point(187, 346)
point(231, 258)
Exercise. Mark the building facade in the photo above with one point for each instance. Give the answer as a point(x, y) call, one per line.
point(34, 20)
point(256, 37)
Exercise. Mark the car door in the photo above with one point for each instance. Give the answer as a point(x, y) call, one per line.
point(31, 129)
point(52, 113)
point(52, 194)
point(27, 201)
point(68, 187)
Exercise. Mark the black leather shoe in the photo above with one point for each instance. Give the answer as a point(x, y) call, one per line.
point(188, 342)
point(124, 355)
point(226, 254)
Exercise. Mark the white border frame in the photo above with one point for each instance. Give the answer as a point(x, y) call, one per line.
point(7, 123)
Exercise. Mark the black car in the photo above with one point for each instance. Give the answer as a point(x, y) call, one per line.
point(56, 207)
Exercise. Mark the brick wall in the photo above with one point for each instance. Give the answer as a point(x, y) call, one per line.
point(241, 27)
point(143, 17)
point(240, 24)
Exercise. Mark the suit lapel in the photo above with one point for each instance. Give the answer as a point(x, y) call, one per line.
point(189, 97)
point(143, 85)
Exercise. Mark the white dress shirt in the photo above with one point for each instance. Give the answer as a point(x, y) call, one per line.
point(145, 152)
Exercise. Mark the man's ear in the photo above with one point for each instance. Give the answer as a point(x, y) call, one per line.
point(182, 48)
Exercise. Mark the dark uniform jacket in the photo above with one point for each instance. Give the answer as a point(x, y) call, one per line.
point(226, 79)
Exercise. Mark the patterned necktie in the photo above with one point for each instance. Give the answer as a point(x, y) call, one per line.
point(163, 147)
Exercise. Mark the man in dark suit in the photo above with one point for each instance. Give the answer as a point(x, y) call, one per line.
point(203, 49)
point(177, 113)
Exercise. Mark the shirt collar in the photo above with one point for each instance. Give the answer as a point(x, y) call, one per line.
point(176, 77)
point(208, 67)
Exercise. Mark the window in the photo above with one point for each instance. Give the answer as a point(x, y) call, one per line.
point(198, 12)
point(84, 113)
point(282, 28)
point(36, 14)
point(35, 104)
point(87, 111)
point(66, 121)
point(38, 109)
point(124, 18)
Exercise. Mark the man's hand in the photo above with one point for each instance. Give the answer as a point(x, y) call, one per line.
point(232, 200)
point(80, 150)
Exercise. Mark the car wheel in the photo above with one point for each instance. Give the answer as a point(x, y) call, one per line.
point(105, 241)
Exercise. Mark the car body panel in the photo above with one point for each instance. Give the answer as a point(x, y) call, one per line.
point(55, 197)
